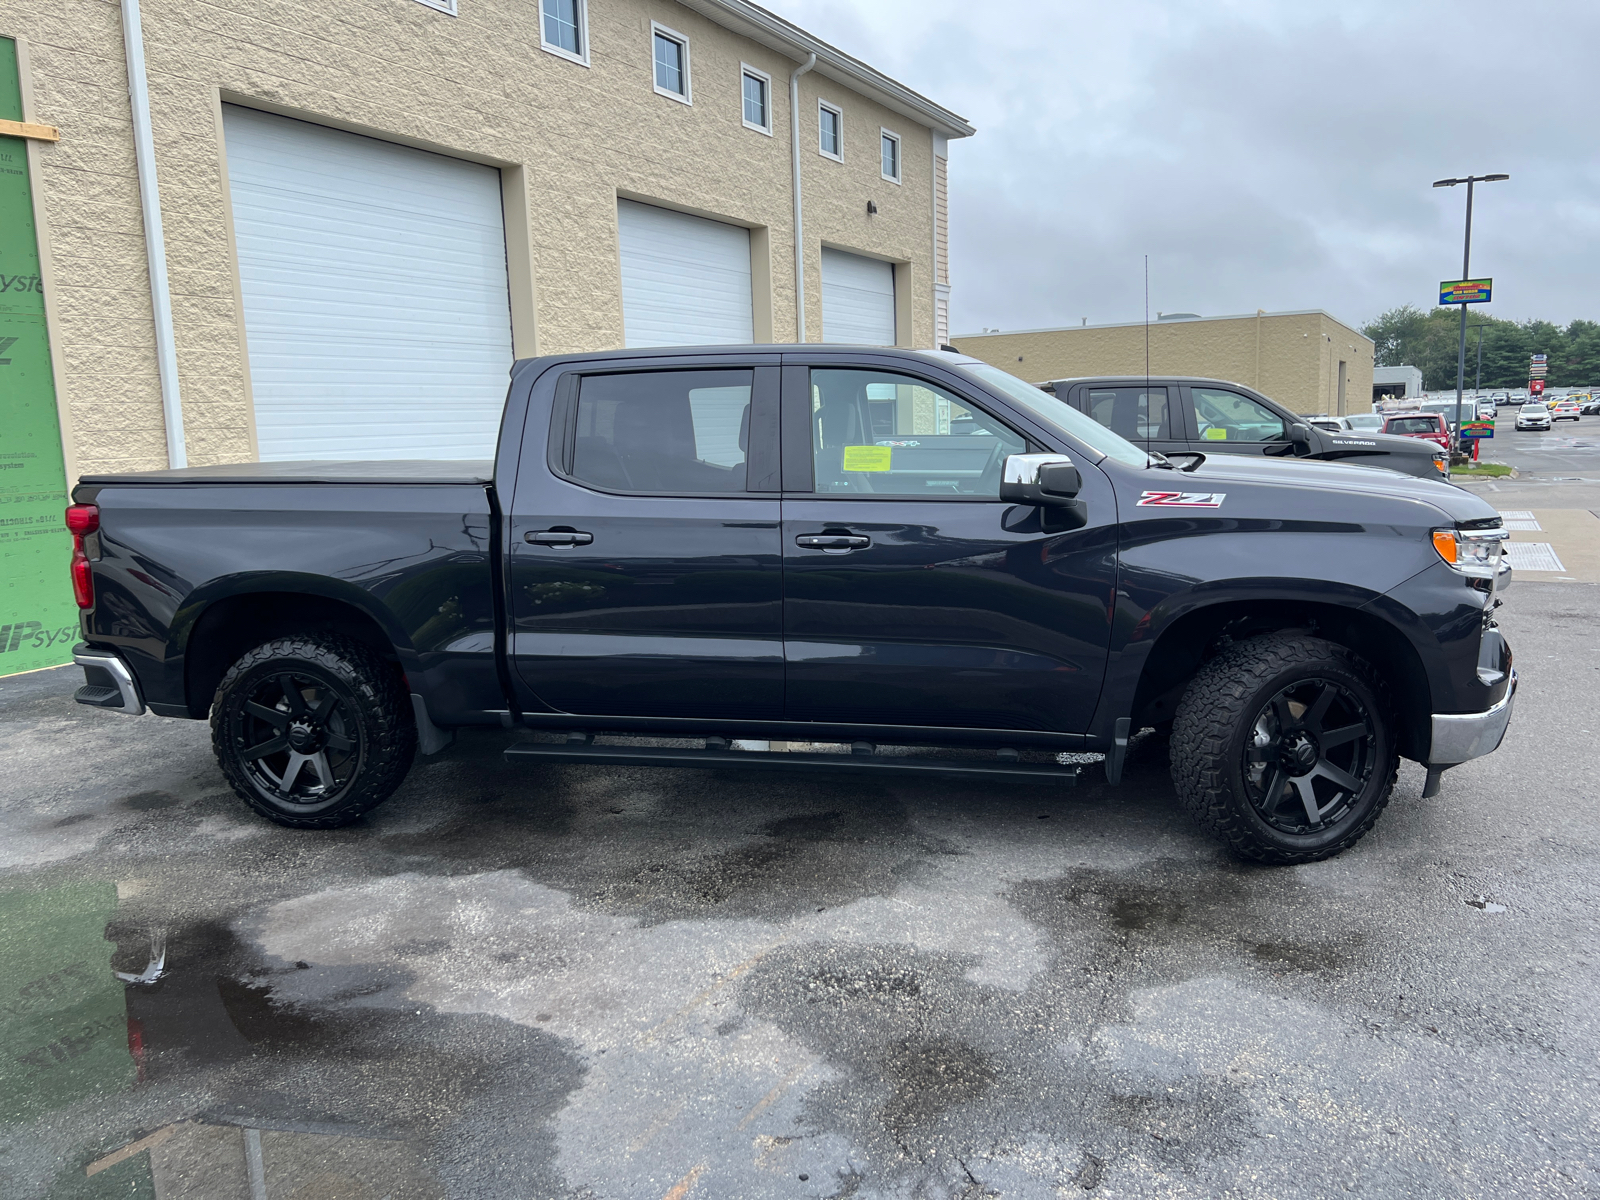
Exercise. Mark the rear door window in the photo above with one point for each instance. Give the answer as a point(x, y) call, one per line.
point(1224, 416)
point(663, 431)
point(1138, 414)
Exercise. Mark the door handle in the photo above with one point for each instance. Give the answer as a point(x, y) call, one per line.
point(558, 537)
point(836, 543)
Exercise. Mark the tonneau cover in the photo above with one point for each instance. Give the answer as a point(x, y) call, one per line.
point(378, 470)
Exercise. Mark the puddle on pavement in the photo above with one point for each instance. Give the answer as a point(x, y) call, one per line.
point(63, 1023)
point(198, 1160)
point(355, 1093)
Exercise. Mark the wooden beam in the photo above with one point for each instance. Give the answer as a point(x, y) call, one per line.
point(27, 129)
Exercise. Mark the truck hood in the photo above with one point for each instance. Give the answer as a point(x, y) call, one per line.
point(1219, 472)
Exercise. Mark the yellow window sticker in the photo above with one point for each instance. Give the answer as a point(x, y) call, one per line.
point(867, 458)
point(1216, 433)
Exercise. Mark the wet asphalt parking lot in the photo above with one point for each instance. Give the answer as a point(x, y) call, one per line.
point(548, 981)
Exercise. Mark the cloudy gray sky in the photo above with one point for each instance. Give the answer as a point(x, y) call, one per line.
point(1272, 154)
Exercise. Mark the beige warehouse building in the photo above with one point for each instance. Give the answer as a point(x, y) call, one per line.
point(1307, 361)
point(266, 230)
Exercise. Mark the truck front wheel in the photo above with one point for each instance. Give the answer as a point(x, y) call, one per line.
point(1283, 748)
point(312, 732)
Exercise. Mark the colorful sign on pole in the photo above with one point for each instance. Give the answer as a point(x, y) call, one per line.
point(1465, 291)
point(1536, 387)
point(38, 621)
point(1477, 429)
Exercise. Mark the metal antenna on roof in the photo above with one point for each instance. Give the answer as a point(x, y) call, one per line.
point(1147, 408)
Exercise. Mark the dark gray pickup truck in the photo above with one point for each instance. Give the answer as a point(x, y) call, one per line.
point(1176, 415)
point(873, 548)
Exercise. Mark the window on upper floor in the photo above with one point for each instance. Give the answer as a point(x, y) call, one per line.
point(670, 52)
point(563, 29)
point(891, 156)
point(757, 88)
point(830, 131)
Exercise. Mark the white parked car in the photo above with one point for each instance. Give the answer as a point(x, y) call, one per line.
point(1533, 416)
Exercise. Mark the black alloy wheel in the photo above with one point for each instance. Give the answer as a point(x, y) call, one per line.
point(298, 738)
point(1309, 756)
point(1283, 748)
point(312, 732)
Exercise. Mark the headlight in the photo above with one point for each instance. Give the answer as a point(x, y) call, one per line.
point(1439, 463)
point(1474, 552)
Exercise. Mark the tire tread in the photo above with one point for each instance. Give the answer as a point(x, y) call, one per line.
point(1206, 723)
point(391, 741)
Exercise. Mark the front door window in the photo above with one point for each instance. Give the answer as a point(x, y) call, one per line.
point(1226, 416)
point(891, 435)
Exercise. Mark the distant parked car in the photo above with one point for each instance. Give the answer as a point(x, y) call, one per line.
point(1426, 425)
point(1363, 423)
point(1533, 416)
point(1590, 407)
point(1501, 398)
point(1566, 410)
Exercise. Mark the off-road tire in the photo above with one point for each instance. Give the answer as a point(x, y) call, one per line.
point(367, 710)
point(1218, 716)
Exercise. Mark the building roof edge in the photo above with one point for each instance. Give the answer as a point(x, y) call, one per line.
point(1249, 316)
point(789, 39)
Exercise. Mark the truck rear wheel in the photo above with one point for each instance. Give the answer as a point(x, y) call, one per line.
point(312, 732)
point(1283, 748)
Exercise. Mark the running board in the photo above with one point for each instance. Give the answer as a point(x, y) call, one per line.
point(716, 759)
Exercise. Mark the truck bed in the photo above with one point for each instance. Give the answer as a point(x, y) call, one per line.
point(378, 470)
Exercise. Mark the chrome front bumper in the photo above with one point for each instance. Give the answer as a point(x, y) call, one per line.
point(107, 682)
point(1458, 737)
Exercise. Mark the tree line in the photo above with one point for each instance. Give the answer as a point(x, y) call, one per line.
point(1407, 336)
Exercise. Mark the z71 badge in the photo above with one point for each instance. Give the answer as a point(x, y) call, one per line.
point(1182, 499)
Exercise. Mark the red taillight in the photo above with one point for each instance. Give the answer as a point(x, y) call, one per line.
point(82, 577)
point(82, 519)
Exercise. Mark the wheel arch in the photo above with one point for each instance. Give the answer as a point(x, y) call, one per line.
point(1198, 635)
point(230, 621)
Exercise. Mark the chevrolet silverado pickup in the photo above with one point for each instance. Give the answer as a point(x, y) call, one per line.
point(1174, 415)
point(680, 556)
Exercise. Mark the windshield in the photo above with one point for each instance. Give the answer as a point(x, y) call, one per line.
point(1057, 412)
point(1533, 408)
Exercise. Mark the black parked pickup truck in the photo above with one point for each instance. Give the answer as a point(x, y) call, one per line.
point(873, 548)
point(1173, 416)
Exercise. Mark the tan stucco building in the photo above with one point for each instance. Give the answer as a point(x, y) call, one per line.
point(570, 110)
point(1306, 361)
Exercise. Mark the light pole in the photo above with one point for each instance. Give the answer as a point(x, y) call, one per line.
point(1477, 386)
point(1466, 273)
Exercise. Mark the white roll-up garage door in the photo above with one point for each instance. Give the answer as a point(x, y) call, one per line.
point(685, 280)
point(857, 299)
point(375, 298)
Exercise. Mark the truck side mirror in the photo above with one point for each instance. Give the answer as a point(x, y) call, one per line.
point(1300, 435)
point(1048, 482)
point(1043, 480)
